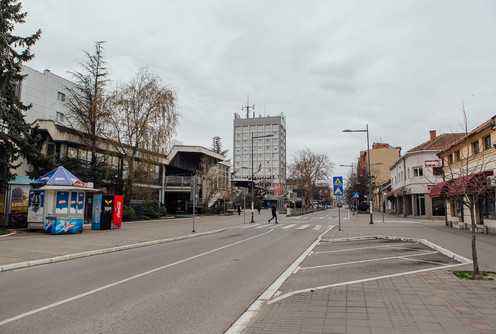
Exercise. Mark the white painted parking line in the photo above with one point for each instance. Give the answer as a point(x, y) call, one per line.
point(302, 227)
point(361, 248)
point(317, 227)
point(288, 226)
point(370, 260)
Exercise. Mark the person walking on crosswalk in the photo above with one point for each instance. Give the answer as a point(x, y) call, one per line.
point(274, 213)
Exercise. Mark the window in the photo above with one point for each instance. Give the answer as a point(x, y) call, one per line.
point(418, 171)
point(60, 117)
point(60, 97)
point(487, 142)
point(450, 159)
point(475, 147)
point(457, 155)
point(437, 171)
point(486, 208)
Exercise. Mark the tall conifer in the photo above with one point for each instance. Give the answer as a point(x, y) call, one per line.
point(15, 138)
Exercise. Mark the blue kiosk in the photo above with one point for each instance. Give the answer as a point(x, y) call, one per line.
point(56, 202)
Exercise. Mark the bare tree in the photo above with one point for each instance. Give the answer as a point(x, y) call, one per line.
point(86, 99)
point(142, 122)
point(467, 180)
point(308, 169)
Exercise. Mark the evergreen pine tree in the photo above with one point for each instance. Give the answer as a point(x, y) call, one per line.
point(15, 138)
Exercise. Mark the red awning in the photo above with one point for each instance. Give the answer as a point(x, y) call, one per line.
point(395, 192)
point(471, 185)
point(440, 189)
point(462, 185)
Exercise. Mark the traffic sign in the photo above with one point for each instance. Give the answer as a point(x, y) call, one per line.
point(337, 182)
point(356, 195)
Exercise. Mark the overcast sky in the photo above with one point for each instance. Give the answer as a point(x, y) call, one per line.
point(401, 66)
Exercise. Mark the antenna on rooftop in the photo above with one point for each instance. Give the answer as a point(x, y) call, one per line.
point(248, 107)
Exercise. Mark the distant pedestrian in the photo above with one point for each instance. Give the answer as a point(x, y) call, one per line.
point(239, 210)
point(274, 213)
point(259, 208)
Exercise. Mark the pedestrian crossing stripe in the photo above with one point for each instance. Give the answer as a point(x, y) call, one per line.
point(302, 227)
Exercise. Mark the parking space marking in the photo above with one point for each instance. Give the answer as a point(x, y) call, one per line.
point(370, 260)
point(292, 293)
point(361, 248)
point(462, 261)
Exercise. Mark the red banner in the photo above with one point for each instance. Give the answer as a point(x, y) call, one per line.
point(278, 189)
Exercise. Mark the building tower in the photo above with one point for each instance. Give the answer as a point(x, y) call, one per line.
point(269, 153)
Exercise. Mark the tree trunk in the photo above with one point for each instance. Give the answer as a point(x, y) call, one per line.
point(474, 248)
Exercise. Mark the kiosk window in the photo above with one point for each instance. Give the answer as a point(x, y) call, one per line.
point(73, 202)
point(80, 204)
point(62, 203)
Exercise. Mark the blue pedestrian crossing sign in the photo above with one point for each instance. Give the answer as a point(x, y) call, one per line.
point(356, 195)
point(337, 182)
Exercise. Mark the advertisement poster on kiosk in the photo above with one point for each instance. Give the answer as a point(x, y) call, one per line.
point(36, 206)
point(96, 213)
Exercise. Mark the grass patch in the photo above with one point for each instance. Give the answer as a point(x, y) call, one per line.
point(484, 275)
point(2, 232)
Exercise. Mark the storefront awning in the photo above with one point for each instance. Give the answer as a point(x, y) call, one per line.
point(68, 188)
point(395, 192)
point(440, 189)
point(463, 185)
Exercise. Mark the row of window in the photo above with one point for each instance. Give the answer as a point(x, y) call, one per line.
point(474, 147)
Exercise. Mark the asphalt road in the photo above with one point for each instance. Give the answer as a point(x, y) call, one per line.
point(199, 285)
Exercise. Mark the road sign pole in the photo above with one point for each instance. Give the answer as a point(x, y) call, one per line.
point(337, 183)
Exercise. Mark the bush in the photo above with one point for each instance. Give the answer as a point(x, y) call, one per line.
point(151, 210)
point(128, 213)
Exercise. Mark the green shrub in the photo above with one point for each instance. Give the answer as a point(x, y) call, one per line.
point(128, 213)
point(152, 210)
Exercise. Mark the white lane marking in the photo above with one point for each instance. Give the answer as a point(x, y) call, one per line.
point(254, 308)
point(369, 260)
point(302, 227)
point(288, 226)
point(317, 227)
point(250, 225)
point(64, 301)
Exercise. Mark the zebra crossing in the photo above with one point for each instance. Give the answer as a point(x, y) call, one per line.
point(286, 226)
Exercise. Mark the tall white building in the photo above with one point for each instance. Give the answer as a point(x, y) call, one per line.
point(269, 153)
point(46, 92)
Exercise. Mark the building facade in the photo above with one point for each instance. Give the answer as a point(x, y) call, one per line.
point(264, 157)
point(414, 174)
point(382, 155)
point(46, 92)
point(469, 165)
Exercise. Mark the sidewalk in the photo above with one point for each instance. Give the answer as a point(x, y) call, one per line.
point(427, 302)
point(25, 249)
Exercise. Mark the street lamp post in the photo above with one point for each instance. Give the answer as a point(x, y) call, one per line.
point(253, 175)
point(369, 176)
